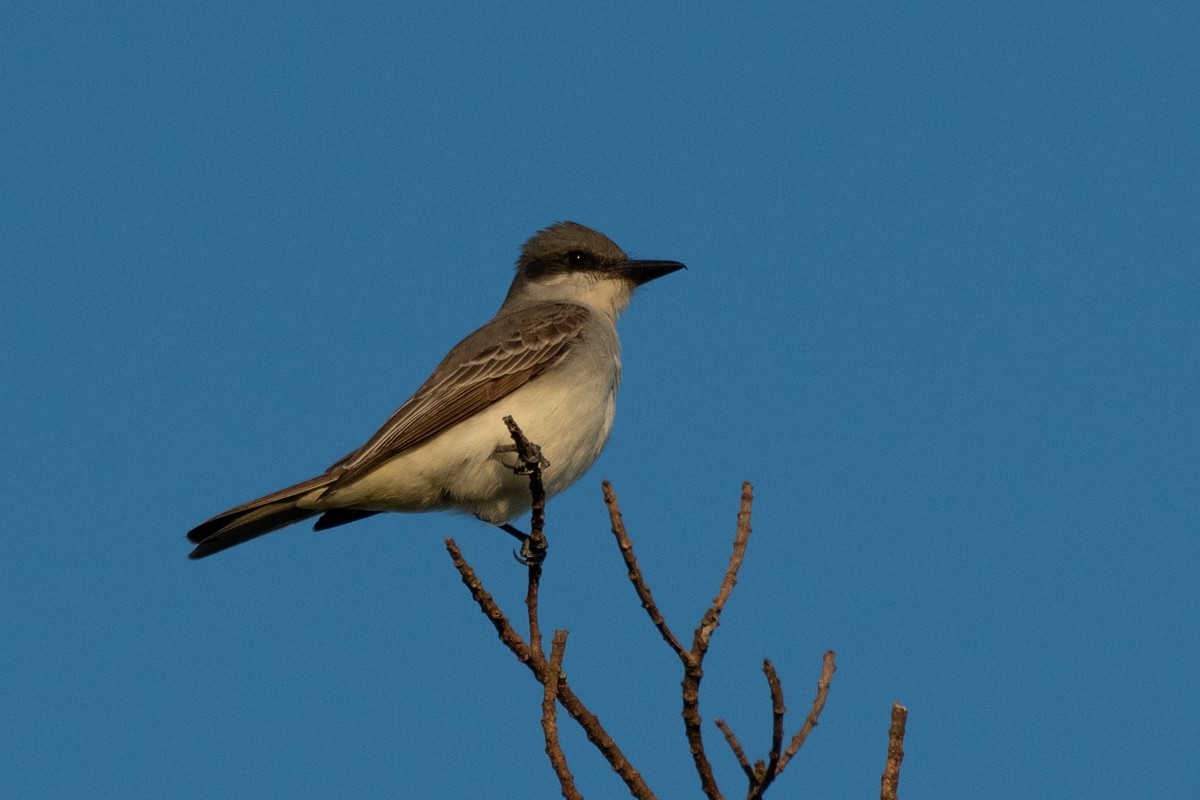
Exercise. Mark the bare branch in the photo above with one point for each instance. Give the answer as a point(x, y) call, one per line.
point(604, 743)
point(890, 782)
point(827, 669)
point(511, 639)
point(777, 711)
point(531, 605)
point(693, 673)
point(533, 548)
point(532, 462)
point(558, 759)
point(693, 670)
point(540, 668)
point(764, 774)
point(712, 617)
point(557, 691)
point(547, 673)
point(635, 571)
point(736, 747)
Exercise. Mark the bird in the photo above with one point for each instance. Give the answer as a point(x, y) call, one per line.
point(550, 358)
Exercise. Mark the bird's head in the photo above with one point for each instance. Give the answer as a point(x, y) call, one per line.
point(568, 261)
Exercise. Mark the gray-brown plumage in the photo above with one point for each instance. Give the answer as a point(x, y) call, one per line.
point(550, 358)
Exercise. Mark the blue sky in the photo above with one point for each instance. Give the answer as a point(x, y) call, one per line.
point(941, 308)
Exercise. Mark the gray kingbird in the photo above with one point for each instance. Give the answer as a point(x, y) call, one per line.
point(550, 358)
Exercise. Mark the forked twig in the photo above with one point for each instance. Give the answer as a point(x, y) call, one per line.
point(692, 659)
point(762, 773)
point(556, 690)
point(540, 668)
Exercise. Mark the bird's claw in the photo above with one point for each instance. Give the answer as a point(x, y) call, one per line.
point(532, 551)
point(530, 555)
point(523, 466)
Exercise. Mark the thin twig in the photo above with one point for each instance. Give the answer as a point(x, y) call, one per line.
point(778, 709)
point(736, 747)
point(828, 667)
point(487, 604)
point(890, 782)
point(531, 605)
point(712, 617)
point(554, 751)
point(534, 548)
point(693, 670)
point(766, 773)
point(635, 571)
point(603, 742)
point(532, 463)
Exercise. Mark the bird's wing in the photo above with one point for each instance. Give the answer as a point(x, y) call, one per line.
point(488, 365)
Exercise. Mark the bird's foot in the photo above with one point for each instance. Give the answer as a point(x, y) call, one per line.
point(524, 466)
point(532, 552)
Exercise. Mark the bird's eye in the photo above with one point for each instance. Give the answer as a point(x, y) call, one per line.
point(578, 258)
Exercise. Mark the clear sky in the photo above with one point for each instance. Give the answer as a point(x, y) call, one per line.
point(941, 308)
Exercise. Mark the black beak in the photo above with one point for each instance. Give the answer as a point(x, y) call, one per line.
point(645, 271)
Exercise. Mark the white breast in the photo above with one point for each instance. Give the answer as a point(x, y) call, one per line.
point(567, 411)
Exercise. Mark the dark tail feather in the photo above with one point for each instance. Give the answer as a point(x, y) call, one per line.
point(253, 519)
point(341, 516)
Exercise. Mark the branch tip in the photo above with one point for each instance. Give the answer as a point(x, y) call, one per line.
point(890, 782)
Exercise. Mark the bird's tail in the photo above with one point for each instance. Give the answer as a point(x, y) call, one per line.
point(266, 514)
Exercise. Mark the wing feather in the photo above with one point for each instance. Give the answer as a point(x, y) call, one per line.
point(488, 365)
